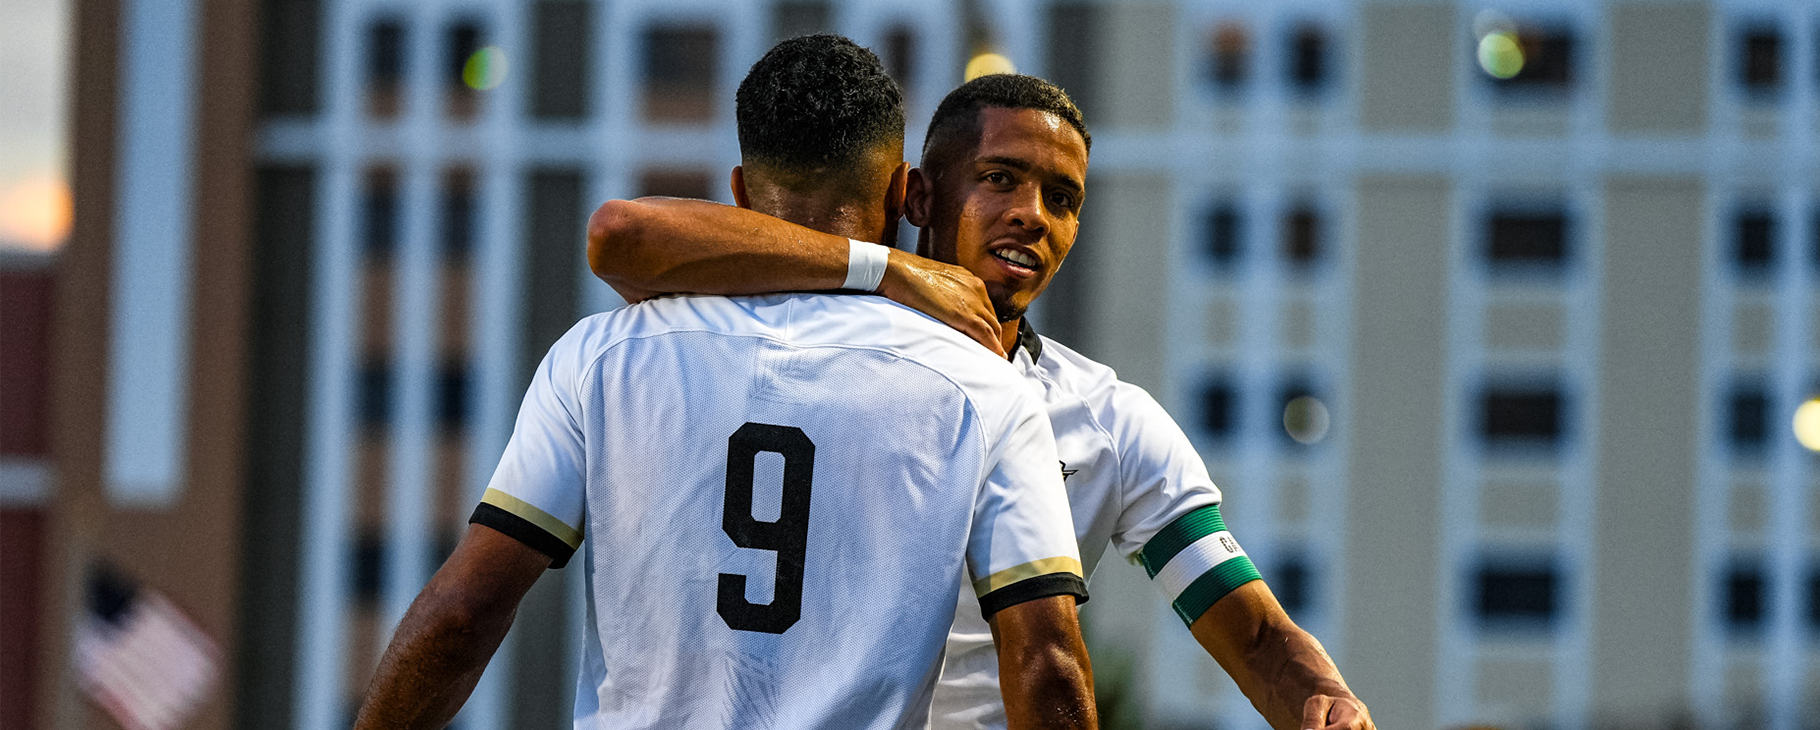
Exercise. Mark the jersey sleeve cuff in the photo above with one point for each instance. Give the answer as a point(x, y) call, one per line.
point(525, 523)
point(1030, 589)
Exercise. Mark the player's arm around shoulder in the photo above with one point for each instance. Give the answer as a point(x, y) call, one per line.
point(651, 246)
point(450, 632)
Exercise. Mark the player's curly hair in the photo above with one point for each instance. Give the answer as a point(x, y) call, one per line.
point(957, 118)
point(816, 104)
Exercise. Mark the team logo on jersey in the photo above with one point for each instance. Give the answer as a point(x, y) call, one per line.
point(1067, 472)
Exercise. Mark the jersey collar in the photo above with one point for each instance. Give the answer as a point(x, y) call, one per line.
point(1027, 339)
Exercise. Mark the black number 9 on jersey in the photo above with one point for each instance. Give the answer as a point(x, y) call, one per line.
point(788, 536)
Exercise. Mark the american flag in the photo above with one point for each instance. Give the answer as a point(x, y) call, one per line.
point(139, 657)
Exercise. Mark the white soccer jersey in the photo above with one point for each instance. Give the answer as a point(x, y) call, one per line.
point(780, 497)
point(1134, 481)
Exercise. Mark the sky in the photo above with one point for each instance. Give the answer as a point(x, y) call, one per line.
point(34, 203)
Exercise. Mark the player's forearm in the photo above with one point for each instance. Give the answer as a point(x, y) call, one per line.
point(1275, 663)
point(1045, 677)
point(432, 664)
point(656, 246)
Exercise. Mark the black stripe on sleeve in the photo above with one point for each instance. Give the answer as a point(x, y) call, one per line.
point(521, 529)
point(1030, 589)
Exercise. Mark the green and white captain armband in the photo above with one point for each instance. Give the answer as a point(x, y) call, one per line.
point(1195, 562)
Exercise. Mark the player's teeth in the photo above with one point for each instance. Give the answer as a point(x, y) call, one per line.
point(1018, 257)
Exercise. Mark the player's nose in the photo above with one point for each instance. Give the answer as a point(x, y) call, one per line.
point(1026, 209)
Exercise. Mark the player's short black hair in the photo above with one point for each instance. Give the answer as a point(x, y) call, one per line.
point(817, 102)
point(957, 117)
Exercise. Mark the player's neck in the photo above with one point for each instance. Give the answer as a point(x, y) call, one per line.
point(1008, 336)
point(839, 220)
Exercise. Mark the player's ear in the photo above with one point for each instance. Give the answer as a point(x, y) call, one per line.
point(738, 184)
point(918, 196)
point(894, 193)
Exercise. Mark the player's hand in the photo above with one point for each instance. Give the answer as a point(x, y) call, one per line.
point(1328, 712)
point(946, 292)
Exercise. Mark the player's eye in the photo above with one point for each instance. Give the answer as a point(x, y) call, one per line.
point(997, 177)
point(1061, 200)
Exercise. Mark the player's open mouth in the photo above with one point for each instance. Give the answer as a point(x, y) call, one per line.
point(1016, 260)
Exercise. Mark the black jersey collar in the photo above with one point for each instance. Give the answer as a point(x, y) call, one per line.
point(1027, 339)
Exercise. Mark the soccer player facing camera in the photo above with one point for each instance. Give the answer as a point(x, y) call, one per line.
point(780, 494)
point(998, 199)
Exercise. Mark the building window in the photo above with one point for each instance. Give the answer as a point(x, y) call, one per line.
point(675, 184)
point(1072, 58)
point(1544, 60)
point(1219, 409)
point(1747, 419)
point(290, 42)
point(561, 58)
point(375, 394)
point(1292, 584)
point(1303, 417)
point(452, 395)
point(791, 19)
point(1760, 59)
point(1745, 593)
point(1516, 596)
point(461, 41)
point(1526, 239)
point(1223, 229)
point(1813, 602)
point(379, 212)
point(1302, 231)
point(458, 211)
point(1754, 241)
point(1521, 417)
point(680, 65)
point(1308, 58)
point(367, 567)
point(1229, 64)
point(385, 67)
point(900, 56)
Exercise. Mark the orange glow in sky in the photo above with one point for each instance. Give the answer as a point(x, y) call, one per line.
point(35, 212)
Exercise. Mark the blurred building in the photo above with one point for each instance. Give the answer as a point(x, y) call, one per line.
point(1491, 321)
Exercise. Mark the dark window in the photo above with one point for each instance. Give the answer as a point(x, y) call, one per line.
point(900, 56)
point(680, 63)
point(289, 63)
point(561, 56)
point(1760, 59)
point(367, 567)
point(1223, 234)
point(1813, 233)
point(375, 394)
point(1548, 60)
point(1521, 417)
point(1292, 584)
point(1813, 602)
point(1075, 30)
point(458, 212)
point(791, 19)
point(452, 395)
point(1308, 58)
point(379, 212)
point(1302, 236)
point(1745, 596)
point(674, 184)
point(1747, 419)
point(1526, 238)
point(460, 42)
point(385, 67)
point(554, 219)
point(1219, 409)
point(1298, 426)
point(1754, 241)
point(1229, 64)
point(1516, 596)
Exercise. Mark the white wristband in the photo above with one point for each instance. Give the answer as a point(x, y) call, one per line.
point(865, 265)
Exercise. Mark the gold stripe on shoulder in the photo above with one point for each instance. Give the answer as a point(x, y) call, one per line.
point(543, 520)
point(1032, 569)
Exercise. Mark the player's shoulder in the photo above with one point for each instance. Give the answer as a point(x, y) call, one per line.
point(1110, 398)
